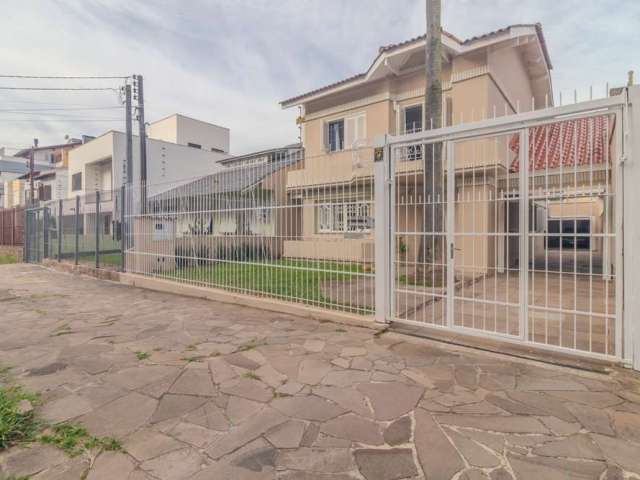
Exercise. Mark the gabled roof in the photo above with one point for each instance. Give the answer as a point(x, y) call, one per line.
point(229, 180)
point(451, 41)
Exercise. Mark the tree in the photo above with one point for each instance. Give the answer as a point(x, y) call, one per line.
point(432, 182)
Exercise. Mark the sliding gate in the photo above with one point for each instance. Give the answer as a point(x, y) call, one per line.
point(511, 228)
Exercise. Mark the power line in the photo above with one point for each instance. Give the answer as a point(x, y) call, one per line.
point(60, 89)
point(66, 77)
point(38, 110)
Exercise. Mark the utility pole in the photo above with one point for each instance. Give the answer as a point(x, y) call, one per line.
point(31, 171)
point(143, 143)
point(129, 135)
point(433, 192)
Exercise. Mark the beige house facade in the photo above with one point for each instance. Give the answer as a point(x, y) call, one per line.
point(495, 74)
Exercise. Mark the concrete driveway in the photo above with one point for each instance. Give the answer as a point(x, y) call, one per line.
point(234, 393)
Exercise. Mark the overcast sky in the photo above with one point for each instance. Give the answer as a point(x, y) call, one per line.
point(230, 62)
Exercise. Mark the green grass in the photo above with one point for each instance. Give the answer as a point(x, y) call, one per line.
point(23, 426)
point(15, 426)
point(106, 259)
point(74, 440)
point(7, 259)
point(142, 355)
point(285, 279)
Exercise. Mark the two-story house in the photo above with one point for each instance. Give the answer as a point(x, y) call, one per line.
point(498, 73)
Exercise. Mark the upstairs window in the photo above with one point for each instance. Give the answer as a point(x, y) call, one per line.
point(346, 133)
point(413, 119)
point(335, 130)
point(76, 182)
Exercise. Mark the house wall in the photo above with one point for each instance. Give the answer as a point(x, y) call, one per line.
point(168, 164)
point(184, 130)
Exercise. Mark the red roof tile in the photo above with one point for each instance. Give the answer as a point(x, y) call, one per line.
point(580, 142)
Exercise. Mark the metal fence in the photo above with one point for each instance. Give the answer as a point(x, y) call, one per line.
point(12, 226)
point(244, 230)
point(85, 229)
point(512, 228)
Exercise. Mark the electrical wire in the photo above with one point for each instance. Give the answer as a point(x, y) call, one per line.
point(59, 89)
point(63, 77)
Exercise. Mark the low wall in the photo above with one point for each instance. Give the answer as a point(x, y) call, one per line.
point(218, 295)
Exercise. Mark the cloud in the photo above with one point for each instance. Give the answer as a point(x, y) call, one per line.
point(230, 61)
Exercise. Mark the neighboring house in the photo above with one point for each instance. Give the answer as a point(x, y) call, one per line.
point(13, 187)
point(100, 164)
point(50, 173)
point(498, 73)
point(241, 211)
point(52, 154)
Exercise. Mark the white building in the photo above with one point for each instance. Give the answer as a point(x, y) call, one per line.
point(179, 149)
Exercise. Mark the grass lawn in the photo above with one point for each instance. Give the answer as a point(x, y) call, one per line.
point(285, 279)
point(106, 259)
point(6, 259)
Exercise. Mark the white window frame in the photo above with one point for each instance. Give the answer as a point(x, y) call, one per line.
point(334, 217)
point(350, 140)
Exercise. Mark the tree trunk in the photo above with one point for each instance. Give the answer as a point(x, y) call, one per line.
point(430, 248)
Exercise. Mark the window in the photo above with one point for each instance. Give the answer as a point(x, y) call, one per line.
point(335, 131)
point(76, 182)
point(343, 217)
point(44, 192)
point(413, 119)
point(106, 224)
point(193, 145)
point(571, 234)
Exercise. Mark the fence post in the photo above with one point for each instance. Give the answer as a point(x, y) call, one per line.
point(25, 237)
point(381, 228)
point(97, 228)
point(122, 227)
point(76, 224)
point(60, 205)
point(45, 232)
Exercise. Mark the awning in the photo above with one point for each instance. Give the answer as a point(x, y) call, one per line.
point(580, 142)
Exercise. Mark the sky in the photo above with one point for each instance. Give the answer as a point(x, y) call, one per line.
point(230, 62)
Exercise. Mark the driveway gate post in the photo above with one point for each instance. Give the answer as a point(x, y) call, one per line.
point(382, 227)
point(631, 229)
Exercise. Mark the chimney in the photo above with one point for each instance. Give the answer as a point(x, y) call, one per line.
point(631, 82)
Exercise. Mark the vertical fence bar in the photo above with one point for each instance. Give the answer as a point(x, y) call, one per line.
point(25, 237)
point(97, 229)
point(15, 226)
point(122, 227)
point(60, 205)
point(76, 224)
point(45, 232)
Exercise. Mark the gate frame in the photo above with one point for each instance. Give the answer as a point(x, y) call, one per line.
point(627, 348)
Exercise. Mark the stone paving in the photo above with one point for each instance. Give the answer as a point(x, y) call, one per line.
point(229, 392)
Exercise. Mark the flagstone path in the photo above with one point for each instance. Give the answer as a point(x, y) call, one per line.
point(228, 392)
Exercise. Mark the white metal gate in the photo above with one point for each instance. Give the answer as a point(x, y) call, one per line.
point(516, 232)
